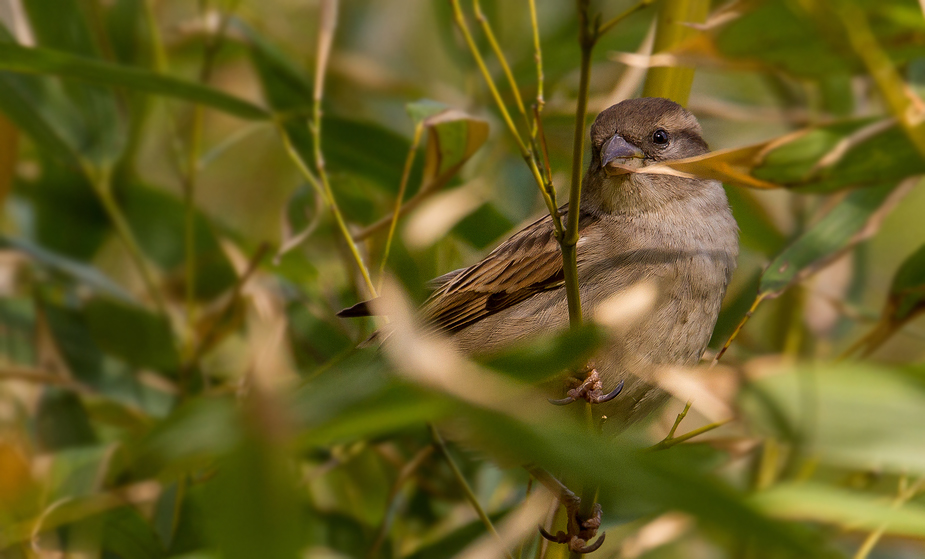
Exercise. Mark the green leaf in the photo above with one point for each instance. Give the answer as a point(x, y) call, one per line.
point(73, 270)
point(18, 96)
point(483, 227)
point(158, 220)
point(61, 421)
point(756, 229)
point(250, 506)
point(786, 36)
point(452, 544)
point(853, 416)
point(840, 507)
point(349, 146)
point(855, 218)
point(15, 58)
point(907, 292)
point(128, 535)
point(905, 301)
point(453, 137)
point(133, 334)
point(93, 127)
point(189, 438)
point(62, 201)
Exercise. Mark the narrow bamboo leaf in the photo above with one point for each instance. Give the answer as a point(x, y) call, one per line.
point(854, 219)
point(907, 292)
point(757, 230)
point(133, 334)
point(483, 227)
point(72, 337)
point(251, 508)
point(94, 127)
point(904, 302)
point(453, 544)
point(15, 58)
point(566, 446)
point(855, 416)
point(18, 95)
point(786, 36)
point(189, 438)
point(840, 507)
point(69, 268)
point(9, 152)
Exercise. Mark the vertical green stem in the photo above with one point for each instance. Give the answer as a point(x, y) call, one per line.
point(327, 25)
point(547, 193)
point(675, 82)
point(538, 55)
point(409, 161)
point(587, 39)
point(470, 495)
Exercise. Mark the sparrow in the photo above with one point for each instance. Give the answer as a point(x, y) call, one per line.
point(675, 235)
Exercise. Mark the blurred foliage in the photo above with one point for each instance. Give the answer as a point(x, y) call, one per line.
point(174, 381)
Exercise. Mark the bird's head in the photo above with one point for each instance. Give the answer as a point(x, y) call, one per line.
point(636, 133)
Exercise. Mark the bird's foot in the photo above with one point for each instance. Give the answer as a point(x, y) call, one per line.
point(580, 531)
point(591, 390)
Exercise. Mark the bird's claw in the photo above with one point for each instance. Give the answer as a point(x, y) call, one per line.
point(580, 532)
point(591, 390)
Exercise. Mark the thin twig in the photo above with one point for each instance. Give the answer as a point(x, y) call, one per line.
point(464, 485)
point(101, 178)
point(669, 442)
point(761, 297)
point(406, 173)
point(904, 494)
point(614, 21)
point(324, 189)
point(327, 25)
point(538, 56)
point(403, 475)
point(587, 37)
point(548, 195)
point(490, 35)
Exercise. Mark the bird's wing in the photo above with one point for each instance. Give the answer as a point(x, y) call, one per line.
point(526, 264)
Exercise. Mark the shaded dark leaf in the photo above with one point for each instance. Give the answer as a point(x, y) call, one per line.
point(134, 334)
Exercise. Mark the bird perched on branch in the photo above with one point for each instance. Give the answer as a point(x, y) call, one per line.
point(662, 244)
point(670, 240)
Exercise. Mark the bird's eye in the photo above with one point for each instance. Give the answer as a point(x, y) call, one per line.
point(660, 137)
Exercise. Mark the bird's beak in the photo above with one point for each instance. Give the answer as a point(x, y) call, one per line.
point(616, 149)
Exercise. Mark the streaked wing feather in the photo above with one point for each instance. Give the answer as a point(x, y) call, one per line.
point(526, 264)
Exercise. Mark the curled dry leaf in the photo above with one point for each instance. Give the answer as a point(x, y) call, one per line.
point(734, 166)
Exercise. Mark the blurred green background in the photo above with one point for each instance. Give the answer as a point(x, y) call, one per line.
point(174, 381)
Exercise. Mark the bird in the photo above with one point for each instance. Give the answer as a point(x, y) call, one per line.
point(674, 234)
